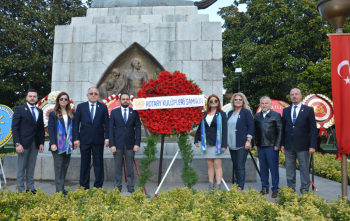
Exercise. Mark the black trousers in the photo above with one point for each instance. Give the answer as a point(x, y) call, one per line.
point(97, 157)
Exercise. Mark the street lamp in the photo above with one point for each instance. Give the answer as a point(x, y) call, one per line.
point(238, 72)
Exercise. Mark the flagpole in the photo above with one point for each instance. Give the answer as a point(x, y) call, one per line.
point(344, 177)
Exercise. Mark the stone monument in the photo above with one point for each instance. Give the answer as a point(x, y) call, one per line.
point(120, 44)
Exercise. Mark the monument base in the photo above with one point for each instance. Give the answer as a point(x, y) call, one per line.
point(44, 169)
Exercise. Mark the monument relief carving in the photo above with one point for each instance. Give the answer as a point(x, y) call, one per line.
point(128, 71)
point(135, 78)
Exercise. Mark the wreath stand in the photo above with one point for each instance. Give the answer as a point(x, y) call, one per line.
point(171, 164)
point(2, 174)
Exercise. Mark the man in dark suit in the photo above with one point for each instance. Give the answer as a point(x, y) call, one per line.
point(125, 138)
point(28, 136)
point(299, 139)
point(90, 133)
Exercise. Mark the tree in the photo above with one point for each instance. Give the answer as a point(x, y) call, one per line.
point(279, 44)
point(26, 46)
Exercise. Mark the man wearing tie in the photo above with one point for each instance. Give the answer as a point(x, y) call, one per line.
point(28, 136)
point(299, 139)
point(90, 133)
point(125, 138)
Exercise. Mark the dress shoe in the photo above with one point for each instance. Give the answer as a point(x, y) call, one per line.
point(263, 192)
point(131, 191)
point(65, 192)
point(274, 194)
point(33, 191)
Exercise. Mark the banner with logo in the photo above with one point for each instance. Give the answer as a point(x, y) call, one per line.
point(340, 59)
point(165, 102)
point(6, 115)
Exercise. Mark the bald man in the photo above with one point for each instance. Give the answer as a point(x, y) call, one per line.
point(299, 139)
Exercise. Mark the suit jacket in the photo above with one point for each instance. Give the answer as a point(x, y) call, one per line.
point(24, 130)
point(88, 132)
point(244, 126)
point(53, 127)
point(303, 134)
point(211, 131)
point(121, 134)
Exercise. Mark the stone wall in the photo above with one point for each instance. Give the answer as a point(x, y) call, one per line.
point(177, 36)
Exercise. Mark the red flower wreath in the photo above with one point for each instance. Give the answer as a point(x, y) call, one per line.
point(171, 121)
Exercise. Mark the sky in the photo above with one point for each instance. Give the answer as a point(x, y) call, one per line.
point(214, 8)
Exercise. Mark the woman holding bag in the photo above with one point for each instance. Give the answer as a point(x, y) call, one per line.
point(212, 132)
point(61, 138)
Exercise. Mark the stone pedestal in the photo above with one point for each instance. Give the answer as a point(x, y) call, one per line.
point(44, 169)
point(177, 36)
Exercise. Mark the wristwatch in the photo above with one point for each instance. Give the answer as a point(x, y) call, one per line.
point(17, 144)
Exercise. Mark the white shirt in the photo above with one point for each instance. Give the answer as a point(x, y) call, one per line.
point(296, 110)
point(94, 108)
point(209, 119)
point(127, 112)
point(35, 111)
point(65, 119)
point(265, 113)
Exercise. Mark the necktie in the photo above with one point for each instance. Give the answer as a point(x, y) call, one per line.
point(294, 114)
point(33, 113)
point(92, 113)
point(125, 116)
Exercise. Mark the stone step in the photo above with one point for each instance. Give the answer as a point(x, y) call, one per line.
point(170, 148)
point(44, 169)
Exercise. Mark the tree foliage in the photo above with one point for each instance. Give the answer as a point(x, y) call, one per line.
point(26, 46)
point(279, 44)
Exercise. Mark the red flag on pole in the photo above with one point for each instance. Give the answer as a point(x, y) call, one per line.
point(340, 59)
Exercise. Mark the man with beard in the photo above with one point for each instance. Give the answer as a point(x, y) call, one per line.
point(28, 136)
point(125, 138)
point(267, 141)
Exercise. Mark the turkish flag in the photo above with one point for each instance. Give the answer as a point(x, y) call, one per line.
point(340, 59)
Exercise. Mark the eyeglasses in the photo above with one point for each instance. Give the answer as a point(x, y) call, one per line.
point(212, 101)
point(63, 99)
point(238, 99)
point(92, 94)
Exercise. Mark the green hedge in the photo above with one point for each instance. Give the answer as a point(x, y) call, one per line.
point(176, 204)
point(325, 165)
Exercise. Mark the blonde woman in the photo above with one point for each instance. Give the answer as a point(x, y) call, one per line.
point(240, 128)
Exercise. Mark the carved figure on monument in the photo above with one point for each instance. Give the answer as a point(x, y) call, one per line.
point(119, 83)
point(106, 89)
point(134, 78)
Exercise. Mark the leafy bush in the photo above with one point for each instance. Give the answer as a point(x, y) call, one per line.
point(325, 165)
point(176, 204)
